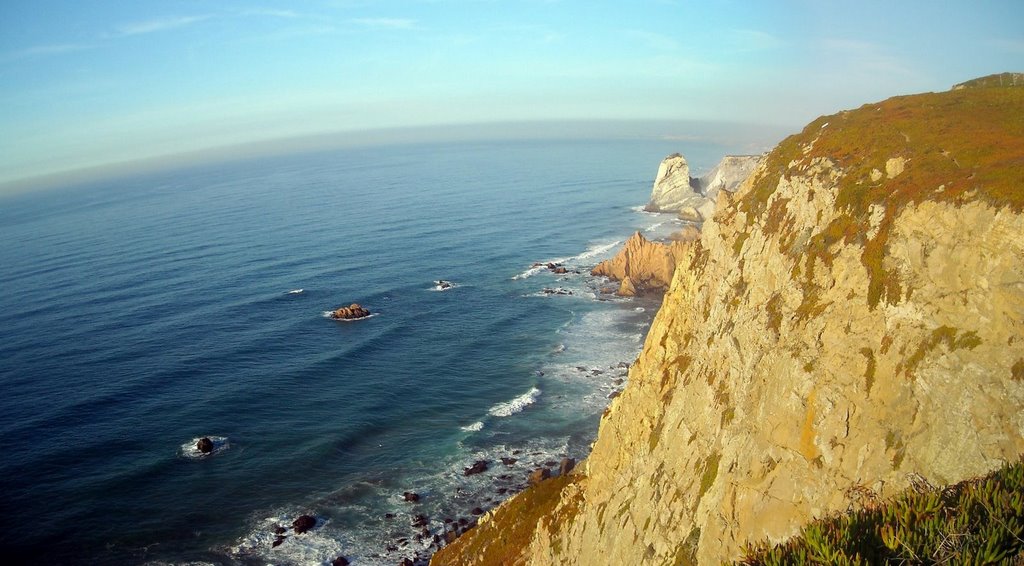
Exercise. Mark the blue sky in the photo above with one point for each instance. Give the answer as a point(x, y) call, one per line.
point(85, 82)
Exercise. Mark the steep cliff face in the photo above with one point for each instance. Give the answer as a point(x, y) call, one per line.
point(852, 319)
point(643, 266)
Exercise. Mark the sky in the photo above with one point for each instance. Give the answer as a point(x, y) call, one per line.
point(88, 82)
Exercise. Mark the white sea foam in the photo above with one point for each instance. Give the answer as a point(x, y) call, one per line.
point(295, 291)
point(593, 250)
point(654, 227)
point(327, 314)
point(540, 267)
point(439, 287)
point(189, 449)
point(516, 405)
point(596, 250)
point(473, 427)
point(315, 546)
point(640, 208)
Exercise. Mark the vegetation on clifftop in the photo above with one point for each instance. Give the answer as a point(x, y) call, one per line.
point(978, 521)
point(954, 147)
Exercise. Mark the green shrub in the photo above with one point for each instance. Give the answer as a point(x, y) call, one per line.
point(978, 521)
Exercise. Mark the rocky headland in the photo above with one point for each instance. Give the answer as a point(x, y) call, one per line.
point(849, 324)
point(694, 198)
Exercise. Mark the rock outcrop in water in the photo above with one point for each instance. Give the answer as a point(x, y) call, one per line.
point(694, 199)
point(351, 312)
point(851, 321)
point(205, 445)
point(643, 266)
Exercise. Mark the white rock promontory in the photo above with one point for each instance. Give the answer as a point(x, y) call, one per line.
point(694, 198)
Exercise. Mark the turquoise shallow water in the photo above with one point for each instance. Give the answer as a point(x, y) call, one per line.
point(140, 314)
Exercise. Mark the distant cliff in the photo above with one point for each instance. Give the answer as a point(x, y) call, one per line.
point(694, 199)
point(851, 320)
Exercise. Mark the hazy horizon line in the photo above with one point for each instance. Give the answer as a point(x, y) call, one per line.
point(708, 131)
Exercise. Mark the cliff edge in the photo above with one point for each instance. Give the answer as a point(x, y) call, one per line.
point(852, 319)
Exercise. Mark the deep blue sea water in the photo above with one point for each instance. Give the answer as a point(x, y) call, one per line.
point(140, 314)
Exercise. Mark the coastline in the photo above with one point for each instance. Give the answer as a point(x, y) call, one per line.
point(333, 420)
point(453, 498)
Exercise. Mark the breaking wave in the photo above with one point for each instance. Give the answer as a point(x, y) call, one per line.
point(516, 405)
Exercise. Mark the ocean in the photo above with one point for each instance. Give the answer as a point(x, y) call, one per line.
point(140, 314)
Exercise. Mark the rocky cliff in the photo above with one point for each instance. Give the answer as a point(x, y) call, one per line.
point(852, 319)
point(694, 198)
point(643, 266)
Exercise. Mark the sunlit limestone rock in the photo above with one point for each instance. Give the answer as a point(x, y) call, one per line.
point(694, 199)
point(728, 174)
point(643, 266)
point(673, 187)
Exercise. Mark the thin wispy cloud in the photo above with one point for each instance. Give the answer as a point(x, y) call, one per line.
point(44, 51)
point(294, 32)
point(863, 56)
point(385, 23)
point(272, 13)
point(152, 26)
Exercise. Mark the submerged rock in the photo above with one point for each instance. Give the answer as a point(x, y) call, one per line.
point(303, 523)
point(479, 466)
point(411, 496)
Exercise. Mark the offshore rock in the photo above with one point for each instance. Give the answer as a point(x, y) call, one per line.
point(351, 312)
point(836, 331)
point(303, 523)
point(643, 266)
point(205, 445)
point(478, 467)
